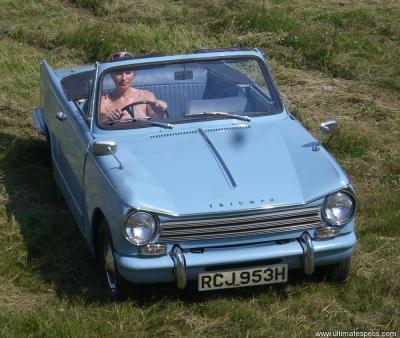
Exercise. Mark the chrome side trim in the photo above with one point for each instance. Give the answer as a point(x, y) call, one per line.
point(93, 98)
point(180, 267)
point(308, 248)
point(218, 157)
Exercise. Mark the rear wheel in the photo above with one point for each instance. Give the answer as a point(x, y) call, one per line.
point(116, 286)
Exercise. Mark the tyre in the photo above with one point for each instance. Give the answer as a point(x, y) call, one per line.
point(337, 272)
point(116, 287)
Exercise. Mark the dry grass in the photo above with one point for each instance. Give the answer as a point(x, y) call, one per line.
point(48, 283)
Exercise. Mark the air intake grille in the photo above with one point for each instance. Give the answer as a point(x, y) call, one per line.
point(207, 130)
point(186, 132)
point(238, 127)
point(248, 225)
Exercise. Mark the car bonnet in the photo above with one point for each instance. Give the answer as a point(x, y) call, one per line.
point(225, 168)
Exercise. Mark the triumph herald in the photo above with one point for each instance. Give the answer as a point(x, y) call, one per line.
point(191, 168)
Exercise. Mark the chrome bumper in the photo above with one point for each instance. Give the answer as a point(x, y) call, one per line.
point(182, 265)
point(305, 241)
point(308, 256)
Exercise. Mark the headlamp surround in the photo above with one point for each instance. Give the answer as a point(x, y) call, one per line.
point(140, 227)
point(338, 209)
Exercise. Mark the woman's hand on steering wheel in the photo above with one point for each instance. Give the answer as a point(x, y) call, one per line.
point(115, 114)
point(158, 104)
point(129, 107)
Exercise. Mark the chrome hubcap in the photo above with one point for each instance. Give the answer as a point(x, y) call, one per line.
point(110, 267)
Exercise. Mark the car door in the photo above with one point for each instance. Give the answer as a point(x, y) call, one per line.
point(70, 137)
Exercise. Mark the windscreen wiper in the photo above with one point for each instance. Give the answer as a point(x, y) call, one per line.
point(220, 113)
point(153, 123)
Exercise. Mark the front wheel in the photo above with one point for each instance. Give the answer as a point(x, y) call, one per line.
point(116, 286)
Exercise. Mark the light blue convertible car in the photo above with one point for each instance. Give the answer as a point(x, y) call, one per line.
point(225, 187)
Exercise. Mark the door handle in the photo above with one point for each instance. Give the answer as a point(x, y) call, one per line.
point(61, 116)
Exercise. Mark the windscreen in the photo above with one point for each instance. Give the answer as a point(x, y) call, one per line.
point(186, 92)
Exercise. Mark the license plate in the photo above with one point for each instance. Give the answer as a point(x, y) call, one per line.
point(271, 274)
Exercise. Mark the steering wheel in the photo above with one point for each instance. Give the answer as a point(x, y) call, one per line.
point(129, 107)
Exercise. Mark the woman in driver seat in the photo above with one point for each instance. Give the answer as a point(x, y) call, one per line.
point(124, 94)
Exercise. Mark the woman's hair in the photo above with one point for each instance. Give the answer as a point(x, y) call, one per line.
point(120, 56)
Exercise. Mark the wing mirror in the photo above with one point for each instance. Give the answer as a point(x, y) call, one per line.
point(101, 148)
point(326, 130)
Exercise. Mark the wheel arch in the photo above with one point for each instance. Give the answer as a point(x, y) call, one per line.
point(97, 218)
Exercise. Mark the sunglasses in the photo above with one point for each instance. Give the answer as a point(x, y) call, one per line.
point(121, 56)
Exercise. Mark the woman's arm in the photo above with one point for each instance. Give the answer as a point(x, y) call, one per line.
point(108, 111)
point(157, 109)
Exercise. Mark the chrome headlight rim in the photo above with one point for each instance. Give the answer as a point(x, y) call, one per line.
point(349, 192)
point(155, 232)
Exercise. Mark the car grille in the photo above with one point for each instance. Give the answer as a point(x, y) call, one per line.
point(247, 225)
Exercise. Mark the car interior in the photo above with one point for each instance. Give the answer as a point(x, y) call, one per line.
point(195, 89)
point(187, 88)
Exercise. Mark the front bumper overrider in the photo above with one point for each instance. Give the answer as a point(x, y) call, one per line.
point(184, 265)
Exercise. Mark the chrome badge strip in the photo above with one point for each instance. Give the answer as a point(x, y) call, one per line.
point(218, 157)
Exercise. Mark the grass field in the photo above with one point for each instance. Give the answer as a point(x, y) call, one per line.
point(331, 59)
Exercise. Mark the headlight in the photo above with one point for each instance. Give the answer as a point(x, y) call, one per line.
point(339, 208)
point(140, 228)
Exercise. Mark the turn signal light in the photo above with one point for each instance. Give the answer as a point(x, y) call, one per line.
point(327, 232)
point(153, 250)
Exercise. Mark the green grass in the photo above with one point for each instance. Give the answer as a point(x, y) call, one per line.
point(97, 6)
point(349, 144)
point(330, 61)
point(100, 41)
point(261, 19)
point(352, 41)
point(353, 17)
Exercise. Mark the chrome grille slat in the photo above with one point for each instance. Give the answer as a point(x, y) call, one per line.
point(238, 231)
point(248, 218)
point(247, 225)
point(230, 227)
point(238, 234)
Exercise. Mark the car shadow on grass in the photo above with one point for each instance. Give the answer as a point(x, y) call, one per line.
point(147, 295)
point(56, 249)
